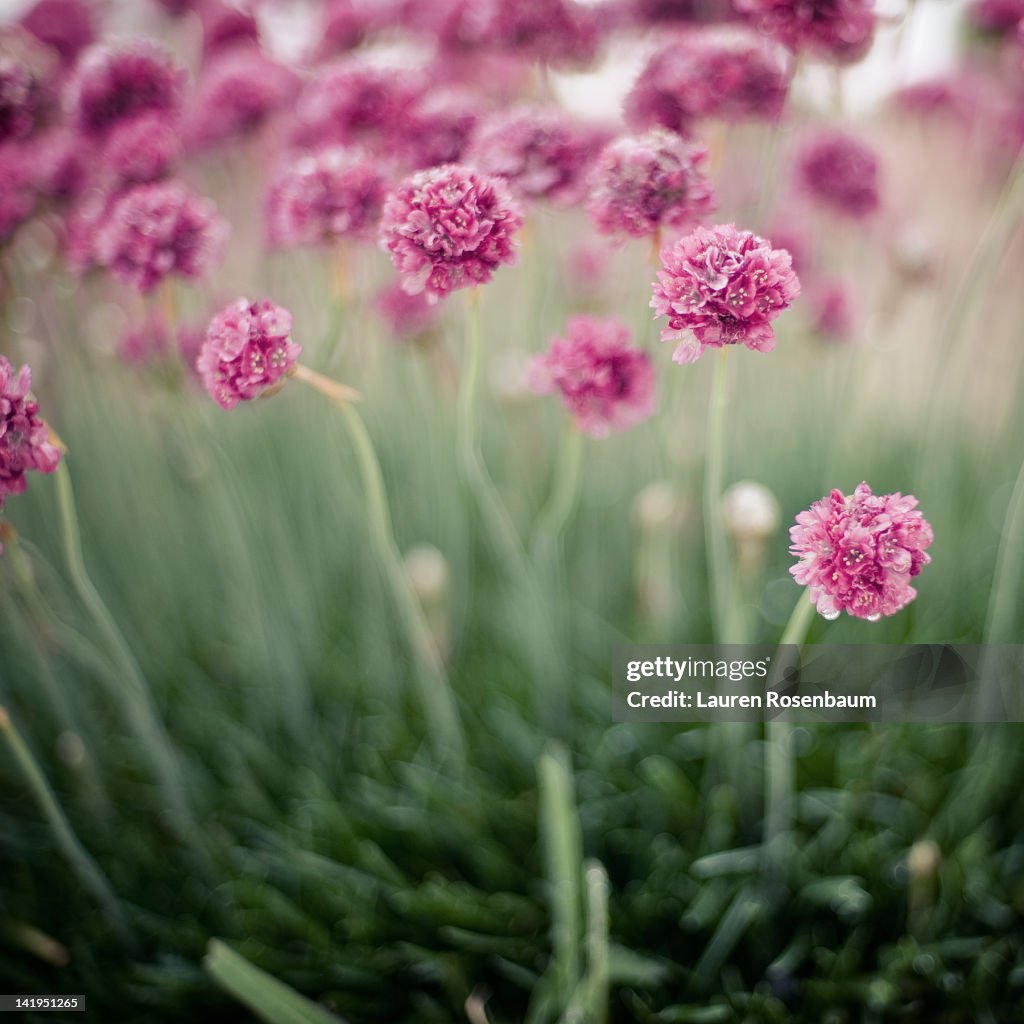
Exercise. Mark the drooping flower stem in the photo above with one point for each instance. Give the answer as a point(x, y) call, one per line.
point(500, 527)
point(778, 765)
point(142, 715)
point(78, 857)
point(556, 513)
point(719, 570)
point(429, 671)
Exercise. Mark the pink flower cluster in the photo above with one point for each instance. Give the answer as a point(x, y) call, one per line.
point(141, 149)
point(721, 287)
point(604, 382)
point(155, 230)
point(841, 172)
point(541, 153)
point(65, 26)
point(248, 348)
point(322, 197)
point(19, 100)
point(858, 554)
point(644, 182)
point(438, 126)
point(449, 227)
point(24, 437)
point(113, 82)
point(840, 29)
point(730, 73)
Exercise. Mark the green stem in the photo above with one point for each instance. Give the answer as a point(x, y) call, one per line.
point(429, 671)
point(556, 513)
point(719, 570)
point(77, 856)
point(142, 715)
point(779, 773)
point(503, 535)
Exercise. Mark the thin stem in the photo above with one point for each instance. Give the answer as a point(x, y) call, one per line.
point(502, 531)
point(556, 513)
point(780, 777)
point(719, 570)
point(340, 394)
point(142, 715)
point(429, 672)
point(77, 856)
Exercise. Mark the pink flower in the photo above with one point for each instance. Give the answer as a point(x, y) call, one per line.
point(19, 100)
point(353, 101)
point(66, 26)
point(841, 172)
point(541, 153)
point(1000, 17)
point(728, 73)
point(141, 149)
point(449, 227)
point(112, 82)
point(24, 437)
point(248, 349)
point(239, 90)
point(61, 164)
point(406, 315)
point(832, 313)
point(437, 128)
point(346, 24)
point(644, 182)
point(322, 197)
point(156, 230)
point(604, 382)
point(226, 26)
point(723, 287)
point(17, 189)
point(841, 29)
point(859, 553)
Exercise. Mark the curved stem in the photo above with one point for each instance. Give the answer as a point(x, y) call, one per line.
point(429, 671)
point(719, 570)
point(556, 513)
point(141, 713)
point(77, 856)
point(503, 535)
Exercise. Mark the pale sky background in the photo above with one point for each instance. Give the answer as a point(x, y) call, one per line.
point(926, 46)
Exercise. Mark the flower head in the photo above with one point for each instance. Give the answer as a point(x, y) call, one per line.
point(729, 73)
point(723, 287)
point(437, 128)
point(449, 227)
point(644, 182)
point(541, 153)
point(325, 196)
point(226, 26)
point(156, 230)
point(858, 554)
point(66, 26)
point(407, 316)
point(238, 91)
point(840, 29)
point(112, 82)
point(19, 100)
point(141, 149)
point(841, 172)
point(248, 349)
point(604, 382)
point(24, 437)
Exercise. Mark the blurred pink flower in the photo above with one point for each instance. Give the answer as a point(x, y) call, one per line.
point(604, 382)
point(644, 182)
point(141, 149)
point(448, 228)
point(321, 197)
point(156, 230)
point(353, 101)
point(841, 29)
point(247, 349)
point(999, 17)
point(437, 128)
point(346, 24)
point(17, 189)
point(858, 554)
point(841, 172)
point(407, 315)
point(226, 26)
point(115, 81)
point(542, 153)
point(721, 287)
point(239, 89)
point(66, 26)
point(19, 100)
point(24, 437)
point(832, 310)
point(729, 73)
